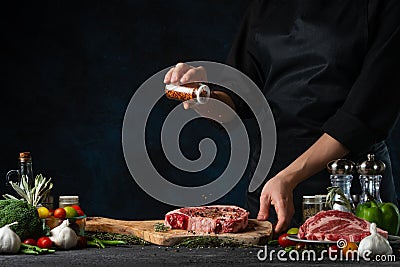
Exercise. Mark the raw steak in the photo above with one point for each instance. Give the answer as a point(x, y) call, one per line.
point(334, 225)
point(208, 219)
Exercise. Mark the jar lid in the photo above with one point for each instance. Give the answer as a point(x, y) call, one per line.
point(203, 93)
point(341, 166)
point(68, 198)
point(371, 166)
point(321, 198)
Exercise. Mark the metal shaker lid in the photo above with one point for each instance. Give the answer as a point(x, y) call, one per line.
point(371, 166)
point(341, 166)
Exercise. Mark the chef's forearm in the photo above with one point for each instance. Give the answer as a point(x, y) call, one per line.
point(313, 160)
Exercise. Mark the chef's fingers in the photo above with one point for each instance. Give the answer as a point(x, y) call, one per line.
point(265, 203)
point(167, 77)
point(178, 72)
point(194, 74)
point(188, 104)
point(284, 212)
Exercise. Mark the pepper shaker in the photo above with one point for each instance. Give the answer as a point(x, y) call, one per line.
point(370, 177)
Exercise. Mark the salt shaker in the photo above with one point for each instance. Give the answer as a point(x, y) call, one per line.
point(341, 171)
point(370, 177)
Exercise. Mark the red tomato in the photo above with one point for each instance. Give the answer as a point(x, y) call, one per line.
point(44, 242)
point(285, 242)
point(30, 241)
point(76, 207)
point(78, 210)
point(60, 213)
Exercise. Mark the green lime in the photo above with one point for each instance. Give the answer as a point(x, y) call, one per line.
point(70, 212)
point(293, 231)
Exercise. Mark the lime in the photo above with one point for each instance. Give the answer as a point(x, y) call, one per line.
point(43, 212)
point(70, 212)
point(293, 231)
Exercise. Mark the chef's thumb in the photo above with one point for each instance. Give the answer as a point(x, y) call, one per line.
point(263, 213)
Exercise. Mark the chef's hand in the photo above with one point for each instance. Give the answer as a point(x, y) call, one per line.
point(183, 73)
point(279, 193)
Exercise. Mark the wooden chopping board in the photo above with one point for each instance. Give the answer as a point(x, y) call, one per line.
point(256, 233)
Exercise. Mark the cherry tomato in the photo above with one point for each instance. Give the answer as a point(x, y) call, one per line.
point(60, 213)
point(351, 246)
point(78, 210)
point(76, 207)
point(285, 242)
point(44, 242)
point(30, 241)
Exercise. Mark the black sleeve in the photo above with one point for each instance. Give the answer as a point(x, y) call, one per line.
point(373, 103)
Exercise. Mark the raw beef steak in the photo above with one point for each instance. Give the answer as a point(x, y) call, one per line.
point(334, 225)
point(208, 219)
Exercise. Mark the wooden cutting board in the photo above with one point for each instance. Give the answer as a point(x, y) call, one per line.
point(257, 232)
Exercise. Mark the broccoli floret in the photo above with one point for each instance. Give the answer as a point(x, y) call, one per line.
point(29, 225)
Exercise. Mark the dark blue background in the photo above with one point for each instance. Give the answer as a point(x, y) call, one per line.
point(68, 72)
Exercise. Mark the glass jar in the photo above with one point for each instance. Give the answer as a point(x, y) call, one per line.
point(196, 92)
point(310, 207)
point(341, 171)
point(321, 199)
point(24, 170)
point(64, 201)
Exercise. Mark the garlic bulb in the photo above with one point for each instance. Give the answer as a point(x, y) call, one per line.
point(375, 244)
point(63, 236)
point(9, 241)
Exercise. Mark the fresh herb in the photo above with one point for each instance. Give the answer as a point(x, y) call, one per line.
point(34, 250)
point(273, 242)
point(209, 242)
point(107, 237)
point(160, 227)
point(33, 195)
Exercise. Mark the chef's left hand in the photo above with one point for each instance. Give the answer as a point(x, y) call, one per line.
point(279, 193)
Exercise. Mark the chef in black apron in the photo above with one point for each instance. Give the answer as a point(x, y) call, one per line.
point(330, 71)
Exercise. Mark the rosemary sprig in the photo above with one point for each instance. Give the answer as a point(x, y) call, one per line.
point(130, 239)
point(160, 227)
point(342, 200)
point(33, 196)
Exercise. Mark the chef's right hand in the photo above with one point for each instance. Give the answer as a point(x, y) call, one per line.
point(183, 73)
point(279, 193)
